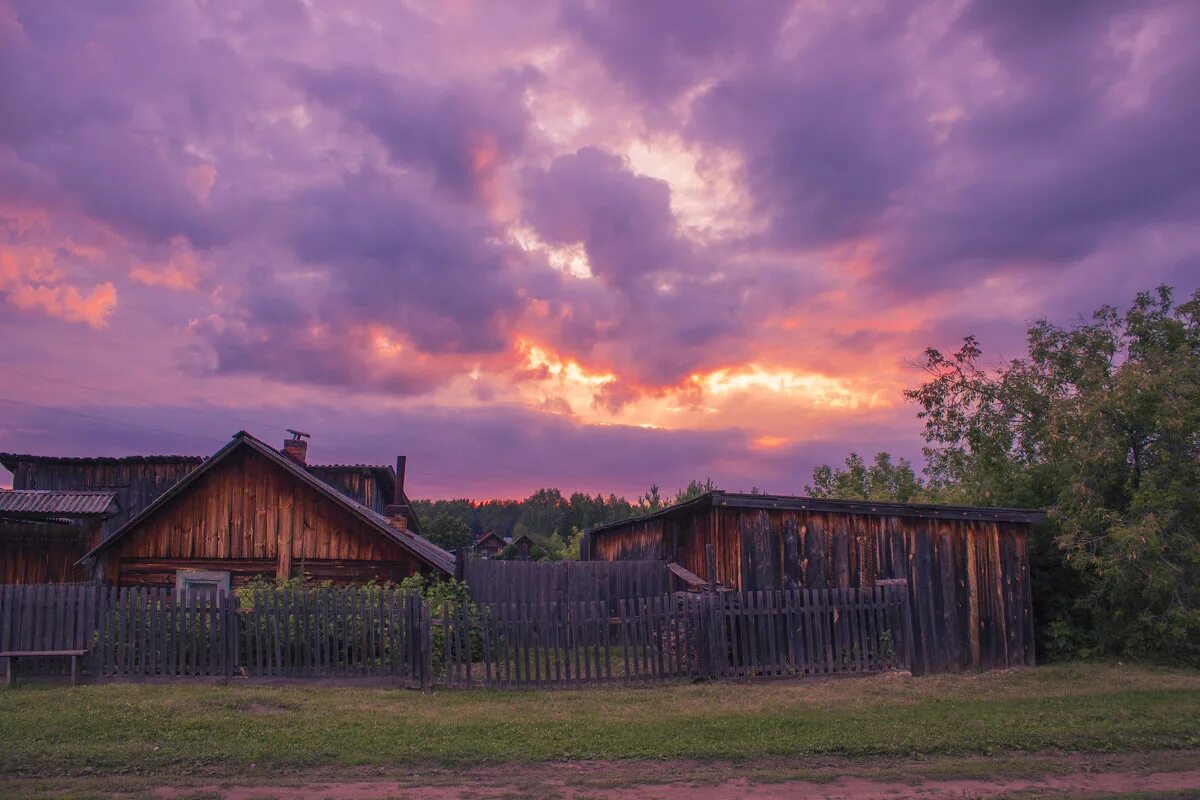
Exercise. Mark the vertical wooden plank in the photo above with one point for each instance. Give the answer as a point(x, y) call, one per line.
point(623, 625)
point(771, 618)
point(485, 631)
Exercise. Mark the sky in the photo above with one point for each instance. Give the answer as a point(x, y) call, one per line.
point(590, 245)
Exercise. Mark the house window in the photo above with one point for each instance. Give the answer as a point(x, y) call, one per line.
point(193, 582)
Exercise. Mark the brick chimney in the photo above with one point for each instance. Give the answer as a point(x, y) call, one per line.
point(397, 511)
point(296, 448)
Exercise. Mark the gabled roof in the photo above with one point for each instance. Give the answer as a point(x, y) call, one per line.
point(490, 535)
point(423, 549)
point(798, 503)
point(35, 503)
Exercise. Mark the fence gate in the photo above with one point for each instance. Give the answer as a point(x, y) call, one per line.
point(815, 631)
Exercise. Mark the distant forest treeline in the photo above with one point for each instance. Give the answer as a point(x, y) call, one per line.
point(547, 516)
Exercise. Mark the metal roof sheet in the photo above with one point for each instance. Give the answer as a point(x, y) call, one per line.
point(38, 502)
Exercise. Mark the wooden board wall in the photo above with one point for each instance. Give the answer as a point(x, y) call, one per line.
point(359, 484)
point(42, 552)
point(137, 483)
point(968, 580)
point(250, 517)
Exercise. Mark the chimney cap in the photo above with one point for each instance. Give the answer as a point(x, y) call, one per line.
point(297, 435)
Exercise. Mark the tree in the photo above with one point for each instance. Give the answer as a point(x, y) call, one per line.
point(693, 490)
point(447, 531)
point(882, 480)
point(651, 501)
point(1099, 424)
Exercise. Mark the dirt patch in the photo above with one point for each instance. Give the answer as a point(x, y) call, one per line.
point(1051, 775)
point(262, 708)
point(848, 788)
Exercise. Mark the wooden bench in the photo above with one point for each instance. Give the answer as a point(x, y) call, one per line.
point(10, 656)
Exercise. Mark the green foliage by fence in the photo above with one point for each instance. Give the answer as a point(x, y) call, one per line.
point(1099, 424)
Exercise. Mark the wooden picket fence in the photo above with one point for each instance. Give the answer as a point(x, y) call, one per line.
point(155, 632)
point(681, 636)
point(546, 645)
point(373, 632)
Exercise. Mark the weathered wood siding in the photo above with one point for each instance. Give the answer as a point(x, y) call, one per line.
point(249, 517)
point(43, 552)
point(361, 484)
point(968, 580)
point(137, 482)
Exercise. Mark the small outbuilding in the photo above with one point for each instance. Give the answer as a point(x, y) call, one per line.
point(488, 545)
point(43, 533)
point(967, 569)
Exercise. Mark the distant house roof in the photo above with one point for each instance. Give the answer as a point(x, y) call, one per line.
point(36, 503)
point(798, 503)
point(422, 548)
point(490, 535)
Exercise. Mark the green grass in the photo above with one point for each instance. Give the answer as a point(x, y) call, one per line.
point(180, 729)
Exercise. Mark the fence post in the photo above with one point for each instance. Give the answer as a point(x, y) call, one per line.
point(231, 634)
point(427, 647)
point(460, 564)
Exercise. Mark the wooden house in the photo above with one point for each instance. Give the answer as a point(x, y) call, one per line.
point(488, 545)
point(522, 548)
point(139, 480)
point(967, 569)
point(251, 510)
point(43, 533)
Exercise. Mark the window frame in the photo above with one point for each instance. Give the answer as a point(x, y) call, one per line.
point(184, 576)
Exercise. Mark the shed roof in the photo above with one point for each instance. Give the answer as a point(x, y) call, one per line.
point(425, 550)
point(798, 503)
point(36, 503)
point(10, 460)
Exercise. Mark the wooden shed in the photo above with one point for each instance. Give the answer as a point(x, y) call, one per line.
point(250, 510)
point(43, 534)
point(967, 569)
point(136, 480)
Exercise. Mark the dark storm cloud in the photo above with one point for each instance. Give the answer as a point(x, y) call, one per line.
point(663, 48)
point(1084, 147)
point(830, 136)
point(623, 220)
point(454, 131)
